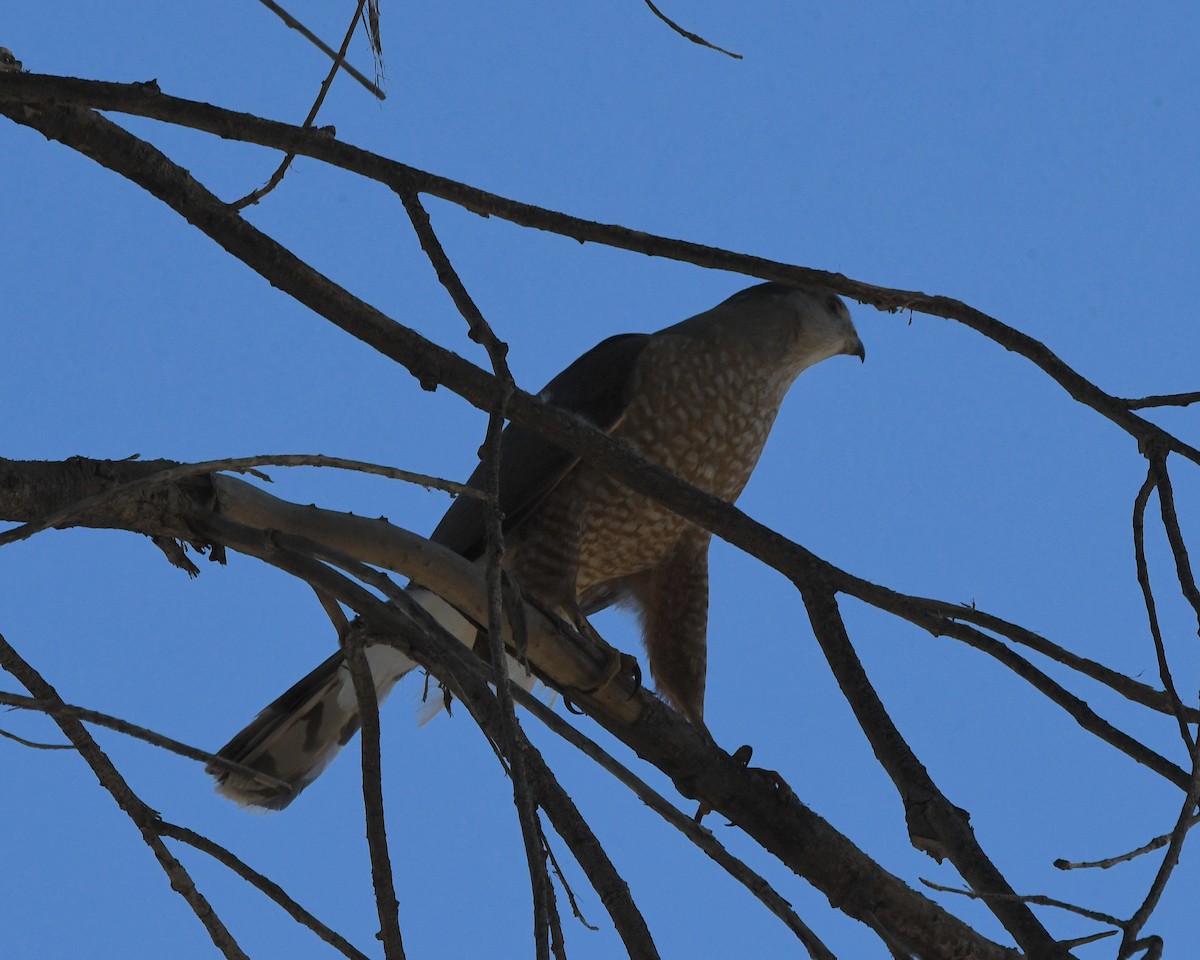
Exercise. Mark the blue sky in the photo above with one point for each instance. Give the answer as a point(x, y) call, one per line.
point(1036, 160)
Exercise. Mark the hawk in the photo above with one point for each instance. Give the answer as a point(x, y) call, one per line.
point(699, 398)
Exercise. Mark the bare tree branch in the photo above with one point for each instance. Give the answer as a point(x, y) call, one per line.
point(1149, 847)
point(482, 333)
point(1037, 900)
point(687, 34)
point(1143, 578)
point(145, 819)
point(387, 906)
point(1164, 400)
point(1170, 861)
point(264, 884)
point(1183, 564)
point(34, 745)
point(56, 708)
point(699, 835)
point(935, 826)
point(147, 101)
point(339, 62)
point(320, 45)
point(175, 472)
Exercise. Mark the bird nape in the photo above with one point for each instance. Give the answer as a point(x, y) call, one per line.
point(699, 398)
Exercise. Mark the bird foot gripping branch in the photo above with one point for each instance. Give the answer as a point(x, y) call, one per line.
point(618, 665)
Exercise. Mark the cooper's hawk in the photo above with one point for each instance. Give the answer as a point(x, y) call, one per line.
point(699, 398)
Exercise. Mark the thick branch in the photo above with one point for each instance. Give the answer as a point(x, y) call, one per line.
point(781, 824)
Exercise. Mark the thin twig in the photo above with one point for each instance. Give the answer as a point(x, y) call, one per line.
point(34, 744)
point(940, 618)
point(687, 34)
point(387, 906)
point(1036, 899)
point(320, 45)
point(264, 884)
point(60, 709)
point(1158, 886)
point(562, 879)
point(934, 615)
point(1078, 709)
point(1143, 578)
point(1156, 844)
point(1163, 400)
point(339, 62)
point(145, 819)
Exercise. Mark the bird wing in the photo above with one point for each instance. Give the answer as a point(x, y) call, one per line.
point(597, 387)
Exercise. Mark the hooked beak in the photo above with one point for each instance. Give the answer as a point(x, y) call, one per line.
point(855, 348)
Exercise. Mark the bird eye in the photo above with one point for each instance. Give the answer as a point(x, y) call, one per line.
point(835, 304)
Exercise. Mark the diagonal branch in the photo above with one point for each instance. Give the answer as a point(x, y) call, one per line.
point(264, 884)
point(699, 835)
point(320, 44)
point(339, 63)
point(145, 819)
point(19, 91)
point(940, 616)
point(60, 709)
point(687, 34)
point(935, 825)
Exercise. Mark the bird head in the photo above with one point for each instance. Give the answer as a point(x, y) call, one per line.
point(797, 326)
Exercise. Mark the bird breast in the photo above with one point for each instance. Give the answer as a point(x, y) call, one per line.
point(702, 413)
